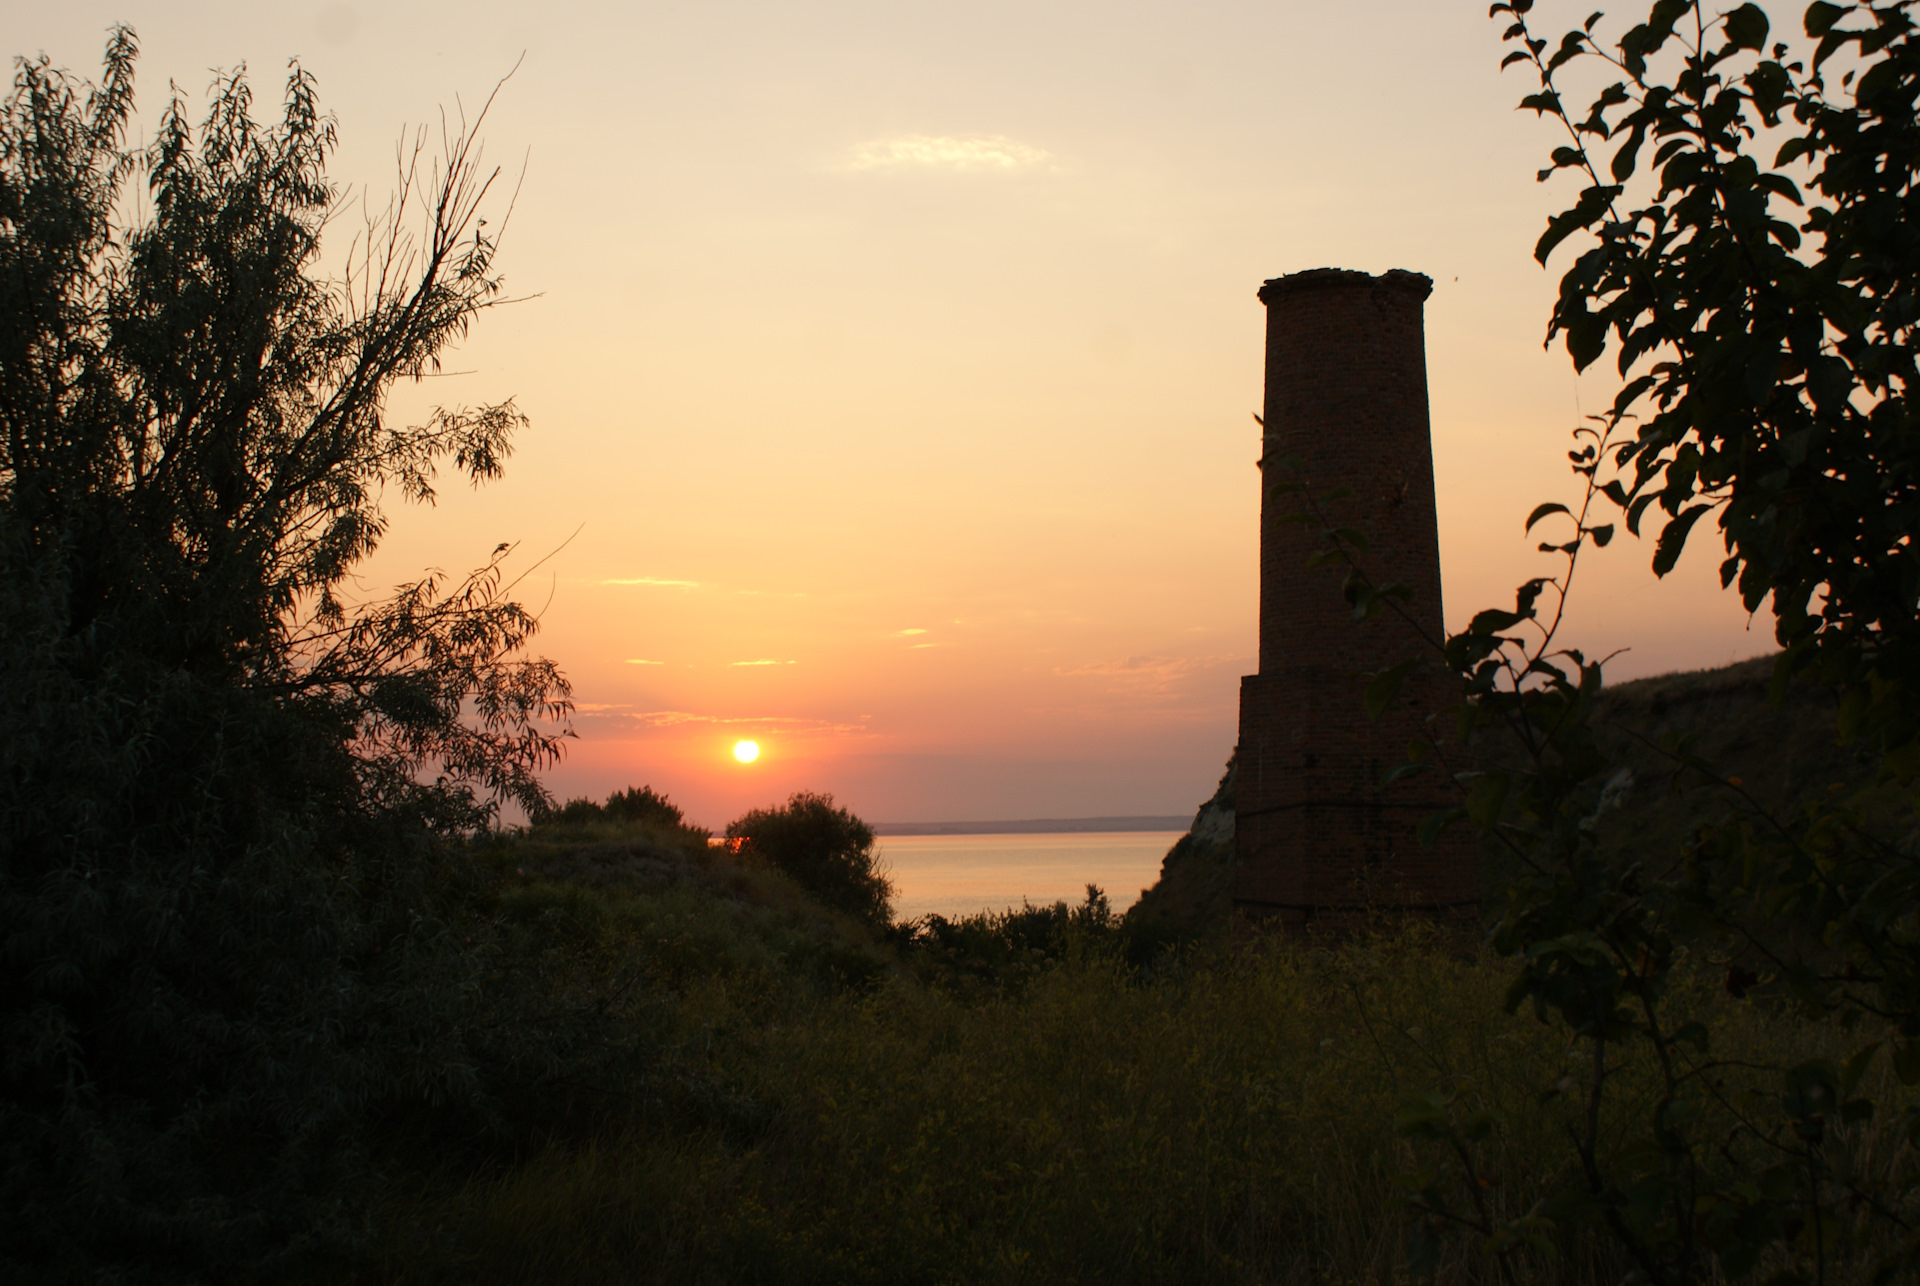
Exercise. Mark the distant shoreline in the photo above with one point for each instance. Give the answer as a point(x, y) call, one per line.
point(1036, 826)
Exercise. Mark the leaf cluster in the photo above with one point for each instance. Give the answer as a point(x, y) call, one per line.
point(1761, 311)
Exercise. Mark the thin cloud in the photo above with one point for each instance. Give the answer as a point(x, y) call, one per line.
point(634, 660)
point(762, 661)
point(768, 724)
point(651, 580)
point(1147, 676)
point(974, 152)
point(904, 633)
point(669, 718)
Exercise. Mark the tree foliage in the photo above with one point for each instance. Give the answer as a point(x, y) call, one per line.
point(1764, 327)
point(1762, 313)
point(634, 805)
point(825, 848)
point(228, 787)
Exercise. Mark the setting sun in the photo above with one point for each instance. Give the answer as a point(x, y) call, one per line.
point(746, 751)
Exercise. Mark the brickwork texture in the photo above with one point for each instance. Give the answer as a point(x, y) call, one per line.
point(1317, 837)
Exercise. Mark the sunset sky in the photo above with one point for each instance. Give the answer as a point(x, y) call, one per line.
point(891, 364)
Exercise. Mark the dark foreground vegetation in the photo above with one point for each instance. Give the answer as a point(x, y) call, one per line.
point(282, 1001)
point(1046, 1094)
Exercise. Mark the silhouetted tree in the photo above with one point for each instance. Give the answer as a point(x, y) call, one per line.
point(227, 788)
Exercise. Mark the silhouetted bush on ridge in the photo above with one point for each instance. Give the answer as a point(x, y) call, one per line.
point(825, 848)
point(639, 804)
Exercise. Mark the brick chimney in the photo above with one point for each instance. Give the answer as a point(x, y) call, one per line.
point(1317, 837)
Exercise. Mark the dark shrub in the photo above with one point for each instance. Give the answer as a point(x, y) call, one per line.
point(575, 812)
point(640, 804)
point(643, 804)
point(827, 850)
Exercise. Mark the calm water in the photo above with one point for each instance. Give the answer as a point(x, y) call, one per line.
point(954, 875)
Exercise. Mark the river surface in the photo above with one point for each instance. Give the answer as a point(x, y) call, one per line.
point(955, 875)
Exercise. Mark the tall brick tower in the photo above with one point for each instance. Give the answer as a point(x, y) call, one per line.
point(1317, 836)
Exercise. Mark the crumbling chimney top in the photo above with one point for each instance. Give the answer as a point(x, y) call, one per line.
point(1418, 283)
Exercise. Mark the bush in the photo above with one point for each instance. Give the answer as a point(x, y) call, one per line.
point(991, 952)
point(640, 805)
point(827, 850)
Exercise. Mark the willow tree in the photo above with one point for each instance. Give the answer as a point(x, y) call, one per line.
point(228, 786)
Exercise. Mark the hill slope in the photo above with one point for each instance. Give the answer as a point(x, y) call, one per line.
point(1780, 754)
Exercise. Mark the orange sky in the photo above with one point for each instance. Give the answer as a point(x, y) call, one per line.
point(891, 364)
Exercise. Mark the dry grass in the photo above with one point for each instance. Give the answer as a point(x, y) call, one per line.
point(1231, 1120)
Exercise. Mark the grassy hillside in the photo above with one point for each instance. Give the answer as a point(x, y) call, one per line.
point(1194, 894)
point(1780, 756)
point(673, 908)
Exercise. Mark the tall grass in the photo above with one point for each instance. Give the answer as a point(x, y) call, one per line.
point(1228, 1119)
